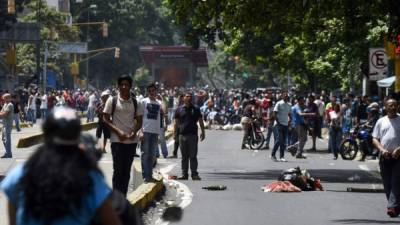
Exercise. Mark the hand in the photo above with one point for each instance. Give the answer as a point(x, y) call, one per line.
point(122, 136)
point(141, 136)
point(132, 135)
point(396, 153)
point(202, 136)
point(386, 154)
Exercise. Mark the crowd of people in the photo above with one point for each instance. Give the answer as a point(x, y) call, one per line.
point(130, 117)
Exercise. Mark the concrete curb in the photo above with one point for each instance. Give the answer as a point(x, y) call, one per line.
point(145, 194)
point(38, 138)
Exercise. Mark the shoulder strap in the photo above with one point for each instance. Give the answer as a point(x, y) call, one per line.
point(135, 105)
point(114, 104)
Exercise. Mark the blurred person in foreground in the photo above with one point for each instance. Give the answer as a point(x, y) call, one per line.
point(60, 183)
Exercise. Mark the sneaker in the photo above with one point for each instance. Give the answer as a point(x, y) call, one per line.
point(292, 150)
point(196, 177)
point(282, 159)
point(273, 158)
point(172, 157)
point(393, 212)
point(5, 156)
point(182, 178)
point(311, 150)
point(300, 157)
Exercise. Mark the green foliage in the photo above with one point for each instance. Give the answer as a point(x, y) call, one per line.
point(131, 25)
point(53, 28)
point(321, 44)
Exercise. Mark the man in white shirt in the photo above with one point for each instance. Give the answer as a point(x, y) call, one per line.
point(151, 128)
point(91, 107)
point(386, 138)
point(126, 122)
point(43, 105)
point(281, 116)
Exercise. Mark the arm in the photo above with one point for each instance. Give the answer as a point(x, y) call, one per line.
point(107, 215)
point(176, 123)
point(385, 153)
point(106, 118)
point(138, 126)
point(11, 213)
point(203, 134)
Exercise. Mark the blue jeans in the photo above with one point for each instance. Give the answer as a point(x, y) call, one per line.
point(280, 132)
point(90, 114)
point(44, 113)
point(6, 137)
point(148, 148)
point(335, 138)
point(32, 115)
point(163, 144)
point(16, 121)
point(270, 130)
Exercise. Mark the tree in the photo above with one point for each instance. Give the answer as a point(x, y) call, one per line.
point(315, 41)
point(131, 24)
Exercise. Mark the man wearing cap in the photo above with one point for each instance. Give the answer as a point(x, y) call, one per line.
point(6, 114)
point(101, 126)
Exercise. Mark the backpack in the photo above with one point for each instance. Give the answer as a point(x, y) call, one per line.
point(114, 104)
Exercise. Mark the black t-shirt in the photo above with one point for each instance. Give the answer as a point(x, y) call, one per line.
point(16, 107)
point(187, 118)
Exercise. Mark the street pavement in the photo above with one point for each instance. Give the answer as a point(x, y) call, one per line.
point(244, 172)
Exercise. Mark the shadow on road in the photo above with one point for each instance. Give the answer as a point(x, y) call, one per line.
point(365, 221)
point(326, 175)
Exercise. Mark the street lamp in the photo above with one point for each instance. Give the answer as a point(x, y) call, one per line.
point(91, 7)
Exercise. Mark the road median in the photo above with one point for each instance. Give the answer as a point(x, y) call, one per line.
point(35, 139)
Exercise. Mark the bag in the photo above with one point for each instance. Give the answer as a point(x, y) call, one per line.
point(301, 179)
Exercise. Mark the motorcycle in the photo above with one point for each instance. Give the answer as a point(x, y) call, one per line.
point(256, 136)
point(231, 116)
point(359, 138)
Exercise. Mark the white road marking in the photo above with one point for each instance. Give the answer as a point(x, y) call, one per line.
point(183, 191)
point(364, 167)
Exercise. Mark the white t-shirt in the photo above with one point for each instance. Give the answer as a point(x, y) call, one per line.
point(388, 132)
point(32, 102)
point(92, 101)
point(43, 103)
point(151, 116)
point(282, 110)
point(123, 117)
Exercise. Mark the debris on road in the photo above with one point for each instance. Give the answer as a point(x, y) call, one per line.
point(294, 180)
point(215, 188)
point(280, 186)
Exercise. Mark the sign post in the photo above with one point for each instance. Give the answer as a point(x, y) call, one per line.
point(378, 64)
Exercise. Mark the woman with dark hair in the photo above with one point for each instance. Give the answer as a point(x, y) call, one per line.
point(60, 183)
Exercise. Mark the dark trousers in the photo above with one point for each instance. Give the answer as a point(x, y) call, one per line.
point(390, 172)
point(122, 155)
point(281, 134)
point(176, 145)
point(188, 146)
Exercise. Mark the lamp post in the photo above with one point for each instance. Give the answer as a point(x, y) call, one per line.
point(93, 7)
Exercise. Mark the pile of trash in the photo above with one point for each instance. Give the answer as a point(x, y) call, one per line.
point(294, 180)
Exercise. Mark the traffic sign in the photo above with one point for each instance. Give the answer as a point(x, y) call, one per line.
point(378, 64)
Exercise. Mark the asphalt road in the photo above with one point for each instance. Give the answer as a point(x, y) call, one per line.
point(244, 172)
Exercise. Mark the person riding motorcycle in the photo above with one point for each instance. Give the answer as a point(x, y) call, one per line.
point(373, 116)
point(252, 109)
